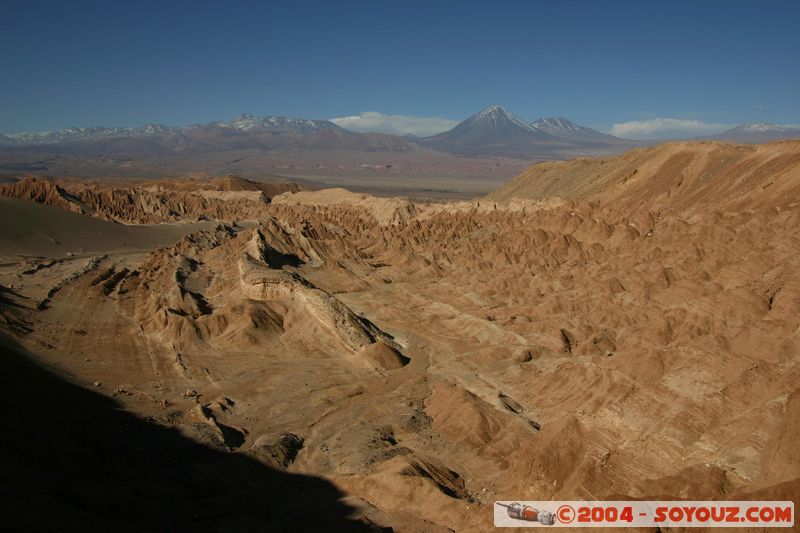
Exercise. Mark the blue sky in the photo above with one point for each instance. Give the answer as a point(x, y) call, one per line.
point(701, 65)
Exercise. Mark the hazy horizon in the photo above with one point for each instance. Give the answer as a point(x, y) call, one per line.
point(373, 121)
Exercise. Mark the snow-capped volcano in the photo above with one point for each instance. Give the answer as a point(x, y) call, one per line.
point(491, 131)
point(566, 129)
point(495, 131)
point(496, 117)
point(558, 125)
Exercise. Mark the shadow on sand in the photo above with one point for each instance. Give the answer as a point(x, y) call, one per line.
point(71, 459)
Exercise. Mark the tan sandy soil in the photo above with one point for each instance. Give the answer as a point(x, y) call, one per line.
point(596, 329)
point(39, 229)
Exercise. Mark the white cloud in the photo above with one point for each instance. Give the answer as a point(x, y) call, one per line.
point(665, 128)
point(395, 124)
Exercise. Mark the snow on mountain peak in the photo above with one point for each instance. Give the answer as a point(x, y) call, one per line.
point(760, 126)
point(244, 123)
point(489, 110)
point(496, 115)
point(247, 122)
point(557, 124)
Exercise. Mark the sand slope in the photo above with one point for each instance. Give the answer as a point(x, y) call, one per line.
point(29, 228)
point(680, 175)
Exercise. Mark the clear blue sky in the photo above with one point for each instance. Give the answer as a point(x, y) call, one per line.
point(599, 63)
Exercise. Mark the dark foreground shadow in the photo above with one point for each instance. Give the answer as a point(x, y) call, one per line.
point(71, 460)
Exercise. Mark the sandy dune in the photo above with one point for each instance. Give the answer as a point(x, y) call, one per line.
point(602, 329)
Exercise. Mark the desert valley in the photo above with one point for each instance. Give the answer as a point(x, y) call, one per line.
point(292, 267)
point(234, 354)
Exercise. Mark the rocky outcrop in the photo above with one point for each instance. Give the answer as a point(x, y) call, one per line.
point(152, 202)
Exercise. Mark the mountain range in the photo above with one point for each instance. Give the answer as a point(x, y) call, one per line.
point(565, 129)
point(242, 123)
point(496, 132)
point(492, 131)
point(492, 143)
point(757, 132)
point(243, 132)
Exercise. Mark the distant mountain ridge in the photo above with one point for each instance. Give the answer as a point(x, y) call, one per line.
point(275, 123)
point(757, 132)
point(566, 129)
point(492, 132)
point(242, 123)
point(83, 134)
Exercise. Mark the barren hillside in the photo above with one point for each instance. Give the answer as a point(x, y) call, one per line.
point(677, 176)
